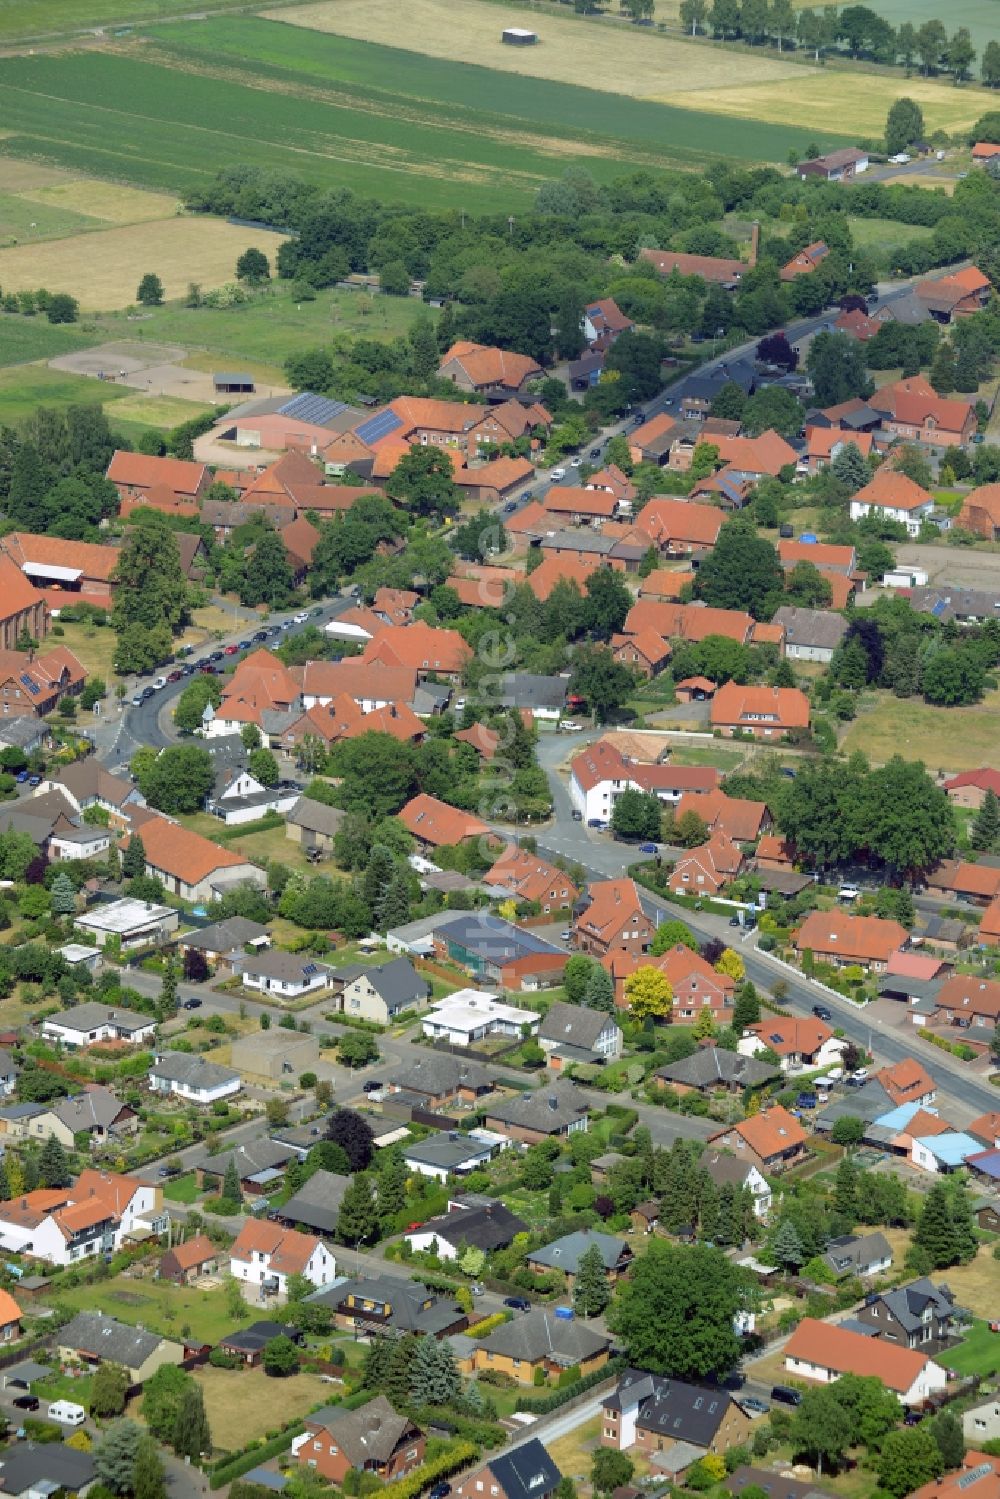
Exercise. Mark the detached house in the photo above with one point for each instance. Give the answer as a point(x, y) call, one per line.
point(763, 712)
point(653, 1413)
point(575, 1033)
point(613, 921)
point(822, 1352)
point(373, 1439)
point(912, 409)
point(541, 1341)
point(266, 1254)
point(797, 1041)
point(381, 991)
point(551, 1112)
point(138, 477)
point(191, 866)
point(489, 371)
point(773, 1140)
point(845, 940)
point(970, 1002)
point(706, 869)
point(436, 824)
point(523, 1472)
point(893, 496)
point(917, 1315)
point(528, 877)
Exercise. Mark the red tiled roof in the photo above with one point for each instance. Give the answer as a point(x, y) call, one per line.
point(893, 490)
point(866, 939)
point(784, 707)
point(194, 1252)
point(708, 267)
point(140, 471)
point(182, 854)
point(913, 965)
point(555, 568)
point(664, 583)
point(289, 1251)
point(17, 593)
point(734, 816)
point(434, 821)
point(820, 553)
point(665, 519)
point(528, 876)
point(92, 560)
point(985, 779)
point(612, 904)
point(573, 499)
point(792, 1035)
point(769, 1133)
point(767, 454)
point(906, 1081)
point(420, 647)
point(831, 1346)
point(968, 995)
point(485, 365)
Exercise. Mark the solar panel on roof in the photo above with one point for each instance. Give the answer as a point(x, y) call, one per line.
point(974, 1475)
point(379, 426)
point(308, 407)
point(32, 686)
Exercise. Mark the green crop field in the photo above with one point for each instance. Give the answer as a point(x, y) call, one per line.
point(979, 15)
point(23, 338)
point(171, 117)
point(24, 19)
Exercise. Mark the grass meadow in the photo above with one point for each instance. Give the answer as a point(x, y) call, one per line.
point(950, 739)
point(24, 338)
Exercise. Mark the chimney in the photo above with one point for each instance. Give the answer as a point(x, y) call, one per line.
point(754, 243)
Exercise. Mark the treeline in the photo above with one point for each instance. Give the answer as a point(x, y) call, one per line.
point(856, 31)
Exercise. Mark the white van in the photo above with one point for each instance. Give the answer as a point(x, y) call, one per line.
point(66, 1413)
point(557, 473)
point(849, 893)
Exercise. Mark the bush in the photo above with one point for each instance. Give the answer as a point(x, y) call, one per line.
point(414, 1484)
point(235, 1467)
point(41, 1431)
point(220, 1359)
point(486, 1326)
point(541, 1405)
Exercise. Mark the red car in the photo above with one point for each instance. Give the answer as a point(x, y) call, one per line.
point(175, 676)
point(410, 1227)
point(231, 650)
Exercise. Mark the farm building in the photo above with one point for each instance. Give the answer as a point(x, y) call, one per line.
point(232, 383)
point(516, 36)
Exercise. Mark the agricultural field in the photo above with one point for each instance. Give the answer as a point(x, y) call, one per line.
point(102, 270)
point(978, 15)
point(950, 739)
point(684, 74)
point(21, 20)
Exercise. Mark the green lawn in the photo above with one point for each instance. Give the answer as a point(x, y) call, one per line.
point(156, 1304)
point(26, 387)
point(25, 338)
point(979, 1354)
point(944, 738)
point(881, 234)
point(37, 18)
point(182, 1188)
point(722, 759)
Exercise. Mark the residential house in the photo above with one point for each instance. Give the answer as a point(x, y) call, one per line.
point(665, 583)
point(259, 1163)
point(654, 1414)
point(194, 1078)
point(489, 371)
point(238, 797)
point(652, 441)
point(551, 1112)
point(824, 444)
point(467, 1223)
point(987, 1128)
point(914, 1315)
point(798, 1041)
point(604, 320)
point(248, 1343)
point(763, 712)
point(861, 1255)
point(978, 1477)
point(977, 883)
point(541, 1340)
point(422, 648)
point(284, 975)
point(981, 1423)
point(187, 1262)
point(891, 495)
point(225, 944)
point(315, 1207)
point(805, 261)
point(696, 986)
point(527, 877)
point(713, 269)
point(575, 1033)
point(92, 1022)
point(810, 634)
point(733, 817)
point(710, 1068)
point(30, 1469)
point(613, 920)
point(543, 697)
point(845, 940)
point(86, 783)
point(453, 1154)
point(389, 1304)
point(955, 295)
point(908, 1082)
point(505, 423)
point(22, 610)
point(708, 868)
point(646, 652)
point(65, 571)
point(573, 505)
point(372, 1439)
point(137, 475)
point(8, 1074)
point(679, 527)
point(835, 166)
point(980, 513)
point(381, 991)
point(725, 1168)
point(912, 410)
point(437, 1080)
point(191, 866)
point(823, 1351)
point(266, 1254)
point(33, 685)
point(601, 772)
point(969, 1002)
point(772, 1139)
point(96, 1338)
point(497, 952)
point(970, 787)
point(436, 824)
point(313, 825)
point(70, 1224)
point(95, 1112)
point(468, 1015)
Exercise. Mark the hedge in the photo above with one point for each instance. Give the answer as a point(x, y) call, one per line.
point(440, 1467)
point(488, 1324)
point(235, 1467)
point(541, 1405)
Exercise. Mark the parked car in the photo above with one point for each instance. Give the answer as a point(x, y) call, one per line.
point(596, 822)
point(517, 1303)
point(557, 473)
point(34, 780)
point(21, 776)
point(648, 848)
point(567, 935)
point(26, 1402)
point(316, 613)
point(260, 635)
point(806, 1101)
point(230, 650)
point(187, 670)
point(194, 1003)
point(822, 1013)
point(577, 815)
point(440, 1491)
point(754, 1406)
point(160, 683)
point(785, 1395)
point(595, 452)
point(302, 616)
point(215, 655)
point(137, 700)
point(175, 676)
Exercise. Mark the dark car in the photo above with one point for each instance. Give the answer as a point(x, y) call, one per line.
point(577, 815)
point(26, 1402)
point(187, 670)
point(822, 1013)
point(785, 1395)
point(754, 1406)
point(595, 452)
point(216, 655)
point(648, 848)
point(34, 780)
point(517, 1303)
point(194, 1003)
point(912, 1417)
point(316, 613)
point(785, 531)
point(260, 635)
point(440, 1491)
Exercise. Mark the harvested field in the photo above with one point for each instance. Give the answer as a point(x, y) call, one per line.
point(109, 202)
point(103, 269)
point(616, 59)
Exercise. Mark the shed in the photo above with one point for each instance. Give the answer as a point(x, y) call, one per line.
point(517, 36)
point(231, 383)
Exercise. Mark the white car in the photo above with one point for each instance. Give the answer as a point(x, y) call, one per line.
point(302, 616)
point(575, 462)
point(900, 159)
